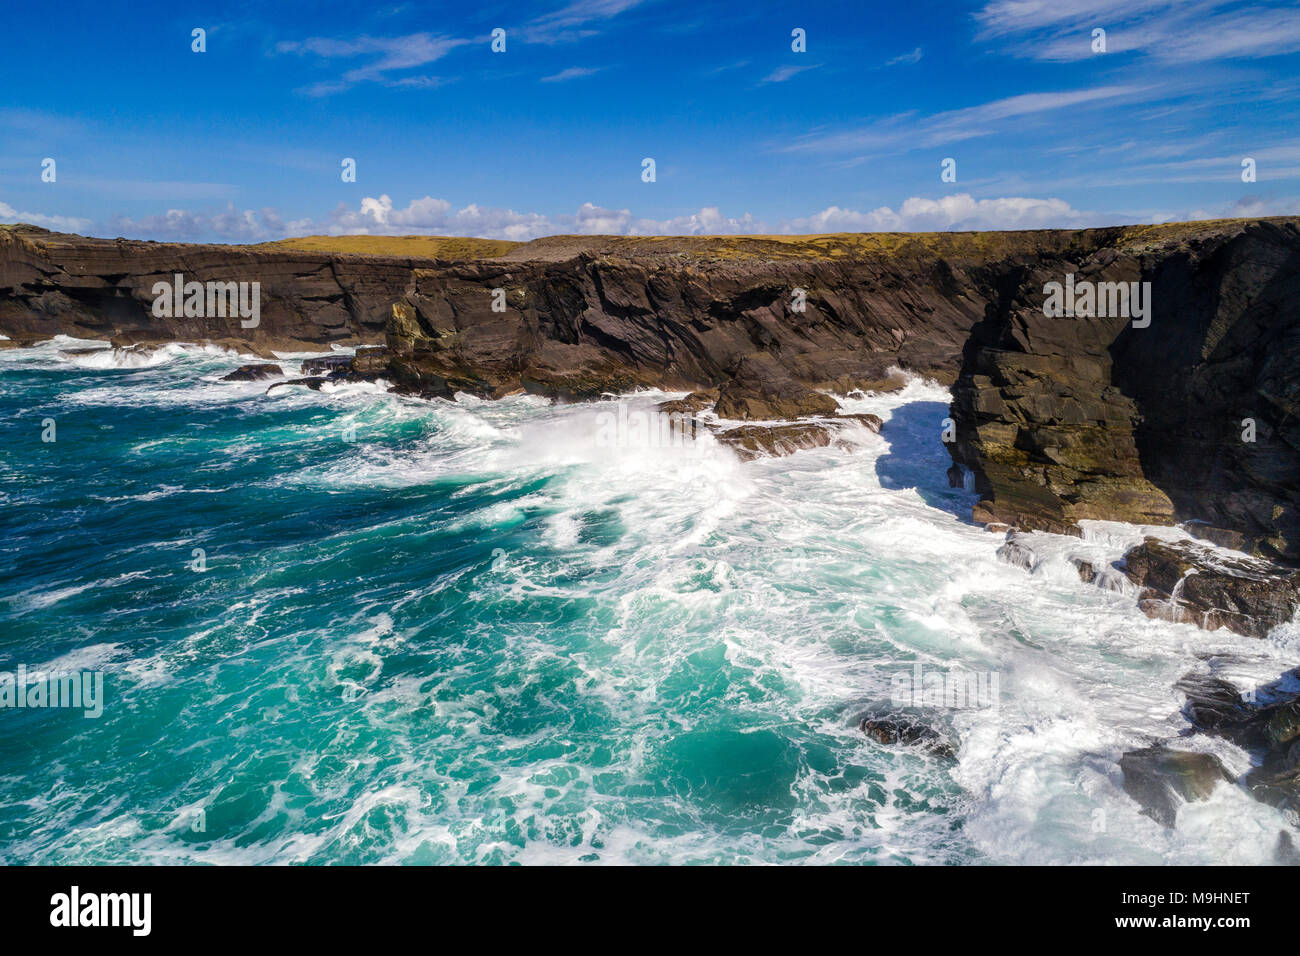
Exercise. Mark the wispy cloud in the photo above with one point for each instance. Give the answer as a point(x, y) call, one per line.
point(389, 55)
point(1175, 31)
point(571, 22)
point(913, 57)
point(572, 73)
point(907, 131)
point(781, 74)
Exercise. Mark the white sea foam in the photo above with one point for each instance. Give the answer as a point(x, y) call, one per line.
point(828, 572)
point(815, 579)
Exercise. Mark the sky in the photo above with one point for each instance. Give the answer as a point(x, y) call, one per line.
point(245, 141)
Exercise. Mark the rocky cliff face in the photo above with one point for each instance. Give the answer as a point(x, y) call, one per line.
point(1057, 418)
point(102, 288)
point(1190, 418)
point(599, 323)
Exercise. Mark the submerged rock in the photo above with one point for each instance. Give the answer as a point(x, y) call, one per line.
point(1283, 725)
point(313, 382)
point(1018, 550)
point(1186, 582)
point(1216, 707)
point(1161, 780)
point(866, 419)
point(904, 731)
point(1269, 731)
point(253, 373)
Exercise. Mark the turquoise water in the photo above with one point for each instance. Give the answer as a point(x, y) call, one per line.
point(346, 627)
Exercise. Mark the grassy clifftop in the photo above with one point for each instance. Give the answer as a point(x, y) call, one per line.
point(416, 247)
point(987, 244)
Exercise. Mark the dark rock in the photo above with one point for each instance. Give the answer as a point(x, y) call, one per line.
point(1216, 707)
point(1161, 780)
point(757, 441)
point(1270, 732)
point(253, 373)
point(313, 382)
point(102, 288)
point(1187, 582)
point(327, 365)
point(1087, 573)
point(1283, 724)
point(1191, 418)
point(908, 732)
point(1224, 538)
point(762, 390)
point(1017, 550)
point(692, 403)
point(1276, 781)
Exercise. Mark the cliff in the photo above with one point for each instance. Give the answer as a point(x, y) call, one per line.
point(1192, 417)
point(1058, 419)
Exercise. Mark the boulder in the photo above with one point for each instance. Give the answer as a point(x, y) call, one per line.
point(1161, 780)
point(761, 390)
point(1187, 582)
point(905, 731)
point(253, 373)
point(758, 441)
point(694, 402)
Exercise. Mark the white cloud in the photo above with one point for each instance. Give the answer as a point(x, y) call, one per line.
point(1176, 31)
point(1248, 208)
point(58, 223)
point(958, 212)
point(389, 55)
point(572, 73)
point(913, 57)
point(781, 74)
point(430, 216)
point(908, 132)
point(182, 225)
point(568, 22)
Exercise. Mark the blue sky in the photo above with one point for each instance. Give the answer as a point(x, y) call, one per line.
point(244, 142)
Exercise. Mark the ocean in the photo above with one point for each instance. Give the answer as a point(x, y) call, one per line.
point(349, 627)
